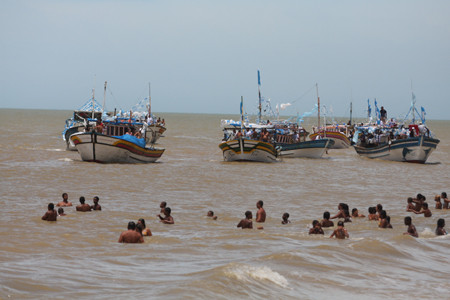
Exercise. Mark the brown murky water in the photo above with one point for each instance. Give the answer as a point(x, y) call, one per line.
point(197, 258)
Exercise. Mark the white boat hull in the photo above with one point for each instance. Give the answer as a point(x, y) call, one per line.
point(153, 133)
point(248, 150)
point(106, 149)
point(416, 150)
point(341, 141)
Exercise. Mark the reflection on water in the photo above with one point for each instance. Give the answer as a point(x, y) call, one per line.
point(79, 257)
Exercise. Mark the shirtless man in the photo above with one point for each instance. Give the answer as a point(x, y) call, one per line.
point(372, 214)
point(410, 206)
point(438, 204)
point(96, 206)
point(211, 215)
point(247, 222)
point(261, 213)
point(425, 211)
point(356, 214)
point(440, 227)
point(383, 220)
point(167, 219)
point(411, 228)
point(162, 206)
point(340, 232)
point(420, 199)
point(83, 207)
point(316, 229)
point(65, 201)
point(50, 214)
point(131, 235)
point(326, 222)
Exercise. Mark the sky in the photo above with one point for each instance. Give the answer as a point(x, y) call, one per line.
point(201, 56)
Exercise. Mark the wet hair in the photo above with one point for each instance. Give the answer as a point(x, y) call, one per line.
point(420, 197)
point(388, 219)
point(131, 225)
point(142, 222)
point(248, 213)
point(372, 210)
point(260, 202)
point(163, 204)
point(315, 222)
point(51, 206)
point(60, 210)
point(408, 220)
point(285, 215)
point(383, 214)
point(139, 228)
point(64, 194)
point(379, 207)
point(410, 200)
point(211, 213)
point(82, 200)
point(96, 198)
point(326, 215)
point(353, 210)
point(425, 205)
point(168, 210)
point(440, 223)
point(444, 195)
point(340, 223)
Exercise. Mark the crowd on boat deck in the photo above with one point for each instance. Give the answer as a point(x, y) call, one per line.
point(137, 230)
point(271, 134)
point(368, 136)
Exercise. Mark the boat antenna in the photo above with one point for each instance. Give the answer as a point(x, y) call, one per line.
point(104, 99)
point(413, 104)
point(351, 106)
point(93, 100)
point(149, 100)
point(318, 107)
point(259, 95)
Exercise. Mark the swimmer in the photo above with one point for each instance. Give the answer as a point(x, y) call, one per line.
point(425, 211)
point(167, 219)
point(356, 214)
point(50, 214)
point(379, 208)
point(420, 199)
point(326, 220)
point(411, 228)
point(440, 227)
point(285, 219)
point(383, 222)
point(316, 229)
point(162, 206)
point(83, 207)
point(446, 202)
point(61, 212)
point(437, 199)
point(65, 201)
point(388, 219)
point(372, 214)
point(247, 222)
point(131, 236)
point(211, 215)
point(145, 231)
point(340, 232)
point(96, 206)
point(410, 206)
point(261, 213)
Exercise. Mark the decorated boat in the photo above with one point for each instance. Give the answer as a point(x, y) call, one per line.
point(403, 143)
point(116, 142)
point(337, 133)
point(291, 145)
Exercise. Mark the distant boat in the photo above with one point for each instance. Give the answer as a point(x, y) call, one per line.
point(115, 144)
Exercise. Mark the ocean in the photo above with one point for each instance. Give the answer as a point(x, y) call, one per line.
point(78, 257)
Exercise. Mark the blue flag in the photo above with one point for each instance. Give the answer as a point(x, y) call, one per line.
point(259, 79)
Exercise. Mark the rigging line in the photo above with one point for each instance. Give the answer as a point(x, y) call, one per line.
point(304, 94)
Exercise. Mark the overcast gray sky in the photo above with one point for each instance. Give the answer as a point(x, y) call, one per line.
point(202, 56)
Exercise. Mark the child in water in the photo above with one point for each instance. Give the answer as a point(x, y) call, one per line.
point(437, 199)
point(425, 211)
point(317, 228)
point(411, 228)
point(440, 227)
point(285, 219)
point(340, 232)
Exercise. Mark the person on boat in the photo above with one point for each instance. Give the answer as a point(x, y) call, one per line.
point(265, 135)
point(246, 223)
point(411, 228)
point(410, 206)
point(249, 133)
point(239, 134)
point(150, 120)
point(340, 232)
point(50, 214)
point(285, 219)
point(316, 228)
point(211, 215)
point(373, 216)
point(65, 201)
point(131, 235)
point(145, 231)
point(383, 114)
point(446, 202)
point(83, 206)
point(261, 213)
point(425, 211)
point(438, 204)
point(61, 212)
point(326, 222)
point(138, 134)
point(96, 206)
point(356, 214)
point(99, 126)
point(167, 219)
point(440, 227)
point(162, 206)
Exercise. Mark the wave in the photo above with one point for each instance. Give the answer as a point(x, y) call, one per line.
point(246, 273)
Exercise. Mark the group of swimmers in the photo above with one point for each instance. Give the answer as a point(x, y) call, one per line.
point(51, 214)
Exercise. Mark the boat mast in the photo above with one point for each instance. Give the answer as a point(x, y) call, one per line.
point(104, 99)
point(93, 102)
point(413, 104)
point(242, 113)
point(149, 100)
point(259, 95)
point(318, 107)
point(351, 111)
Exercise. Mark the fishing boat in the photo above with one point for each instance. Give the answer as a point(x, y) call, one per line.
point(85, 116)
point(116, 142)
point(405, 143)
